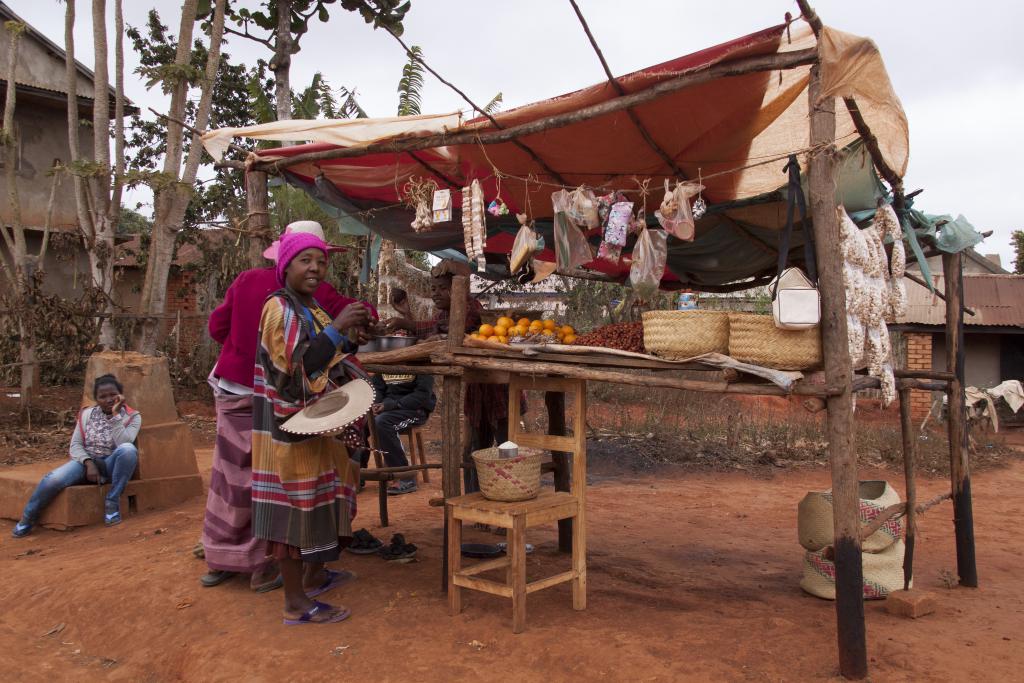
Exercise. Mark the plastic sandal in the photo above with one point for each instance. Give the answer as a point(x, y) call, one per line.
point(309, 616)
point(21, 529)
point(334, 580)
point(364, 543)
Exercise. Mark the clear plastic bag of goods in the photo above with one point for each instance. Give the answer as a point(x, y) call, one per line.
point(571, 247)
point(649, 256)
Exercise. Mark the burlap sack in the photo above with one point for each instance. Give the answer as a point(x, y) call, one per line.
point(815, 523)
point(883, 573)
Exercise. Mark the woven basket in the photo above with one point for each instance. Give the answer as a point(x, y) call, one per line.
point(755, 339)
point(508, 479)
point(677, 335)
point(814, 517)
point(883, 573)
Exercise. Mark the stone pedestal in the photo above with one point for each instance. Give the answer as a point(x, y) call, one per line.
point(167, 473)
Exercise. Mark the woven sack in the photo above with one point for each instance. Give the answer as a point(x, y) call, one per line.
point(814, 517)
point(508, 479)
point(755, 339)
point(883, 573)
point(677, 335)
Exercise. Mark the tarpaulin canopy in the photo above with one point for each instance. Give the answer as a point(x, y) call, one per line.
point(733, 131)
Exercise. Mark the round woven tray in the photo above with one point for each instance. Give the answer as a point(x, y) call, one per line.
point(677, 335)
point(508, 479)
point(755, 339)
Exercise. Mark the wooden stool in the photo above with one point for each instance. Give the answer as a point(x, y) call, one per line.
point(417, 454)
point(549, 506)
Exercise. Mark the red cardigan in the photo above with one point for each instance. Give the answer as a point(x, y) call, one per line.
point(235, 323)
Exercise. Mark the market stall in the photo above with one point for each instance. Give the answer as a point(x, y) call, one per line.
point(718, 125)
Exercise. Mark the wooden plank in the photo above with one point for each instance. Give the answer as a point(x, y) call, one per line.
point(481, 567)
point(533, 368)
point(554, 402)
point(853, 662)
point(541, 584)
point(517, 559)
point(959, 465)
point(454, 561)
point(909, 435)
point(419, 351)
point(621, 359)
point(437, 370)
point(482, 585)
point(579, 491)
point(546, 442)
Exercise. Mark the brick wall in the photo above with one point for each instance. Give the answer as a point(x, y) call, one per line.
point(919, 357)
point(181, 296)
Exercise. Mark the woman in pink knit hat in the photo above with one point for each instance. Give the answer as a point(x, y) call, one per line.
point(303, 487)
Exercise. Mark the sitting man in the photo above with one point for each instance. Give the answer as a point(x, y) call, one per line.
point(102, 452)
point(403, 401)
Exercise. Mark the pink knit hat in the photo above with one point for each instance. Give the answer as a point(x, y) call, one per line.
point(293, 244)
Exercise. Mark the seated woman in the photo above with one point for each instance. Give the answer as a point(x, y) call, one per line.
point(403, 401)
point(303, 487)
point(102, 451)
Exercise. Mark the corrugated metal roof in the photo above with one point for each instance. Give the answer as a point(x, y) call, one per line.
point(997, 300)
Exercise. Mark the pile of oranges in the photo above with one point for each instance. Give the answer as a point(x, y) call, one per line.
point(506, 329)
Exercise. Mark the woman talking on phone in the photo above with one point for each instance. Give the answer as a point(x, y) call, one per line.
point(102, 452)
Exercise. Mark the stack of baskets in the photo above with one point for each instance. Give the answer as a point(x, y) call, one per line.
point(747, 337)
point(508, 479)
point(882, 552)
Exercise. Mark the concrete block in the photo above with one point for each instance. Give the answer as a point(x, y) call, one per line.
point(911, 603)
point(146, 381)
point(165, 450)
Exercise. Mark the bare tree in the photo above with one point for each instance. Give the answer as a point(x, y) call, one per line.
point(24, 268)
point(173, 188)
point(98, 187)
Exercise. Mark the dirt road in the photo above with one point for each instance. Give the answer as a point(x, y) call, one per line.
point(692, 577)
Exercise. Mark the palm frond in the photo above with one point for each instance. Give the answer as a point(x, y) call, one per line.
point(262, 108)
point(349, 108)
point(494, 106)
point(411, 84)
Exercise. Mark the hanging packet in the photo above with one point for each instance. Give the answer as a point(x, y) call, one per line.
point(675, 214)
point(571, 247)
point(583, 209)
point(620, 217)
point(649, 256)
point(527, 243)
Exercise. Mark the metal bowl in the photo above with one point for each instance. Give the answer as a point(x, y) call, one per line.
point(390, 343)
point(369, 347)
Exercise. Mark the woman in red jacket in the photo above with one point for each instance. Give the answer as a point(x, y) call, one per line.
point(227, 539)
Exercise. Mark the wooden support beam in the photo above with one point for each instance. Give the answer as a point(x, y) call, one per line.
point(451, 408)
point(438, 370)
point(925, 374)
point(853, 659)
point(959, 467)
point(257, 220)
point(562, 460)
point(909, 435)
point(689, 78)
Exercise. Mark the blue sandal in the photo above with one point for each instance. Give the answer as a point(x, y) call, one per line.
point(332, 581)
point(309, 616)
point(112, 516)
point(21, 529)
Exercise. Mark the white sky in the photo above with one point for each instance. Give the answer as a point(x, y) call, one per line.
point(958, 71)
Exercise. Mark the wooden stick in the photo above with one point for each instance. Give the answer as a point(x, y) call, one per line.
point(959, 467)
point(439, 370)
point(910, 481)
point(853, 658)
point(689, 78)
point(257, 202)
point(925, 374)
point(898, 510)
point(598, 375)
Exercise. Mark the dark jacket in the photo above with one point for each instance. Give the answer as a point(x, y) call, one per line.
point(405, 392)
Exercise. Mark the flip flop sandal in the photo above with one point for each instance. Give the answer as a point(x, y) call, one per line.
point(334, 579)
point(399, 550)
point(112, 518)
point(270, 585)
point(364, 543)
point(309, 616)
point(480, 550)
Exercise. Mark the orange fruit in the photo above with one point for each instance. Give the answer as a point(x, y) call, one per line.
point(567, 330)
point(492, 338)
point(486, 330)
point(519, 330)
point(474, 336)
point(569, 339)
point(505, 321)
point(503, 339)
point(536, 325)
point(550, 324)
point(560, 335)
point(500, 330)
point(524, 322)
point(548, 333)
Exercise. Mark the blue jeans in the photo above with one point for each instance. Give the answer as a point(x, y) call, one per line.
point(116, 468)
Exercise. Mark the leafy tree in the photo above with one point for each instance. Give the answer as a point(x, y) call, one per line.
point(1017, 237)
point(411, 84)
point(132, 222)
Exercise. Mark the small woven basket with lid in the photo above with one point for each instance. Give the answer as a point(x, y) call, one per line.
point(509, 479)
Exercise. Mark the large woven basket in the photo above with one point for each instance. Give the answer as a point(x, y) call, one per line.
point(815, 518)
point(684, 334)
point(508, 479)
point(883, 573)
point(755, 339)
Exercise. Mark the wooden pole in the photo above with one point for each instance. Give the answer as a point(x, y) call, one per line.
point(257, 202)
point(910, 477)
point(451, 397)
point(687, 79)
point(555, 403)
point(853, 660)
point(959, 469)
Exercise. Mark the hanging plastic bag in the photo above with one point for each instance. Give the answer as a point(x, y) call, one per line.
point(620, 217)
point(571, 247)
point(527, 243)
point(675, 214)
point(649, 256)
point(583, 209)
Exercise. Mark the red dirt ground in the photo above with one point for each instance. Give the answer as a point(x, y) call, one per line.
point(691, 577)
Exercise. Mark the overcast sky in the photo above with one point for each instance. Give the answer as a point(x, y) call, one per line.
point(959, 71)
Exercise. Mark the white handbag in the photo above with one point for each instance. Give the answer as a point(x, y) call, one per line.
point(796, 304)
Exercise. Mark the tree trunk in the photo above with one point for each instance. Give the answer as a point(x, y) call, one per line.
point(281, 64)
